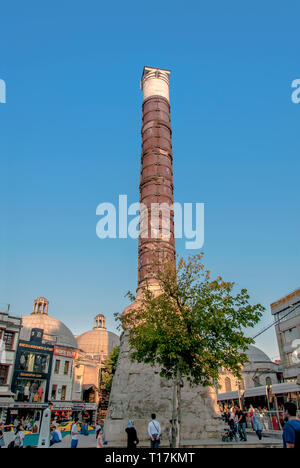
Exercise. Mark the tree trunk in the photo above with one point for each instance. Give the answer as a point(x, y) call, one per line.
point(176, 411)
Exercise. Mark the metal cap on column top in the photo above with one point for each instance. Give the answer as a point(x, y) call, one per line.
point(156, 184)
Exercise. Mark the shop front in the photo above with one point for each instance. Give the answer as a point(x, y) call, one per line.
point(61, 411)
point(31, 378)
point(29, 414)
point(85, 412)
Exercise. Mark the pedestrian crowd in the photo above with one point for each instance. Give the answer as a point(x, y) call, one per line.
point(235, 417)
point(237, 421)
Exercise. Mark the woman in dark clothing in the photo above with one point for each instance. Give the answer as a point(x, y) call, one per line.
point(132, 438)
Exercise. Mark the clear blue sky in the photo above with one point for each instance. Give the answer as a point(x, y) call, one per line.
point(70, 139)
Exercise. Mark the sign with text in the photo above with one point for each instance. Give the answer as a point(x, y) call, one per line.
point(65, 352)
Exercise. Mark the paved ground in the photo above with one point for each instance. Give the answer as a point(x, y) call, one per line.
point(253, 442)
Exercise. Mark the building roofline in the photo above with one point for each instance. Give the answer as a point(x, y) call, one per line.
point(286, 298)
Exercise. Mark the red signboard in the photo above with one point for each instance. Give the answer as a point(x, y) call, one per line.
point(65, 352)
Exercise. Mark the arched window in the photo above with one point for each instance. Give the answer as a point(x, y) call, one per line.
point(227, 384)
point(268, 381)
point(256, 381)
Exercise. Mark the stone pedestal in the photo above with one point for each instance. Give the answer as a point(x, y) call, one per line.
point(138, 390)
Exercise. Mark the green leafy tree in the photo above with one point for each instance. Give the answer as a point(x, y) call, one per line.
point(109, 369)
point(192, 329)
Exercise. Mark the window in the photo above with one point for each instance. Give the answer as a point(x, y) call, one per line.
point(53, 392)
point(66, 368)
point(3, 374)
point(57, 366)
point(63, 392)
point(34, 362)
point(30, 390)
point(8, 338)
point(291, 335)
point(268, 381)
point(256, 381)
point(227, 384)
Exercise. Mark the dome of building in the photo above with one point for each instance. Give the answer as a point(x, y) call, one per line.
point(257, 356)
point(99, 341)
point(54, 330)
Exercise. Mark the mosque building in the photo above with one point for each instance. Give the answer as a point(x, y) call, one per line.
point(258, 374)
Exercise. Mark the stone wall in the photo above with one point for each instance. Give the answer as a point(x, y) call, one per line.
point(138, 390)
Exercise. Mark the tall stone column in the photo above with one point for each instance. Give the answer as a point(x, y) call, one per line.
point(137, 389)
point(156, 241)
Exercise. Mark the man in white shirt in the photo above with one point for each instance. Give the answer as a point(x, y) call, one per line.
point(74, 434)
point(154, 431)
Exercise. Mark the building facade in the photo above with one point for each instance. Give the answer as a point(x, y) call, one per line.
point(62, 374)
point(286, 312)
point(258, 374)
point(94, 347)
point(44, 365)
point(9, 337)
point(31, 380)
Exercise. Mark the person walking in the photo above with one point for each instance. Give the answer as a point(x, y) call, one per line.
point(100, 438)
point(242, 422)
point(74, 434)
point(291, 430)
point(132, 438)
point(154, 431)
point(257, 424)
point(98, 429)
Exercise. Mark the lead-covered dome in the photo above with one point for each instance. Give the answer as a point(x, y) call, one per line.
point(55, 331)
point(257, 356)
point(99, 342)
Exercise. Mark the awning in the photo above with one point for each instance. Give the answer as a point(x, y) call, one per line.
point(256, 391)
point(228, 396)
point(88, 387)
point(289, 387)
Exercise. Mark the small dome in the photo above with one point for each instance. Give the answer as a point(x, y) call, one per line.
point(57, 332)
point(99, 341)
point(256, 355)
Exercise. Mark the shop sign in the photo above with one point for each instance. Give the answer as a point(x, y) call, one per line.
point(65, 352)
point(37, 347)
point(90, 406)
point(30, 405)
point(30, 375)
point(62, 406)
